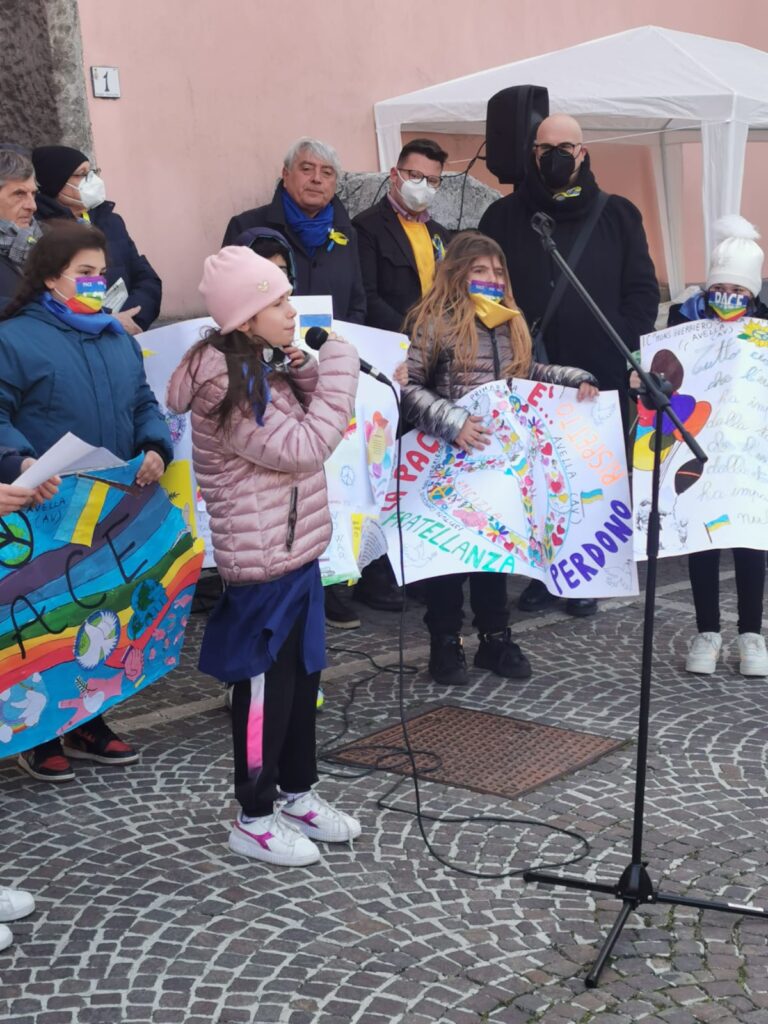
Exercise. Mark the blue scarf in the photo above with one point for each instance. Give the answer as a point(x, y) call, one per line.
point(313, 231)
point(88, 323)
point(259, 408)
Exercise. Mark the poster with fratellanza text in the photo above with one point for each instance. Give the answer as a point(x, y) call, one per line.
point(548, 498)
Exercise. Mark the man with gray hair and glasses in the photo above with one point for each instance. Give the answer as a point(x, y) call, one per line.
point(305, 210)
point(18, 228)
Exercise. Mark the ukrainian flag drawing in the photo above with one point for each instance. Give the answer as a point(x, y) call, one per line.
point(587, 497)
point(715, 524)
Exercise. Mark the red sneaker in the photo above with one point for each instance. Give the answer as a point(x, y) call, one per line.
point(46, 763)
point(95, 741)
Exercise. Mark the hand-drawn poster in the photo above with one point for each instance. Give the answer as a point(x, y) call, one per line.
point(548, 498)
point(95, 589)
point(163, 349)
point(359, 471)
point(719, 371)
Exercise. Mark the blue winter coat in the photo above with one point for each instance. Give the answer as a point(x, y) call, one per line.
point(54, 379)
point(124, 260)
point(10, 465)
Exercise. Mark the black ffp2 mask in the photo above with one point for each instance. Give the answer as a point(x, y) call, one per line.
point(556, 168)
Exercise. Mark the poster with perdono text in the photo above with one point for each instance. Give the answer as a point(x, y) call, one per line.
point(548, 498)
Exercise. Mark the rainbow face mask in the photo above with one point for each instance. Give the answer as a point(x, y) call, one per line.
point(728, 305)
point(490, 289)
point(89, 294)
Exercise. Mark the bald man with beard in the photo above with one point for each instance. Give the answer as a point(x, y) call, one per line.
point(615, 268)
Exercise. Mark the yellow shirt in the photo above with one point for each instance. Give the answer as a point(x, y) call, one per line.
point(423, 251)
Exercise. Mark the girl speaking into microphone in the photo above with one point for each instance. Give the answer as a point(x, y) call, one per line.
point(265, 417)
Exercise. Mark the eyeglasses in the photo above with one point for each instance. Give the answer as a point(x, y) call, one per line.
point(81, 175)
point(433, 180)
point(569, 148)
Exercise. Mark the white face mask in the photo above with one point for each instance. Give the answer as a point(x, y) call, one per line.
point(417, 195)
point(92, 190)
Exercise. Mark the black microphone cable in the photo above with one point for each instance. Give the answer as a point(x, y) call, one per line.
point(402, 670)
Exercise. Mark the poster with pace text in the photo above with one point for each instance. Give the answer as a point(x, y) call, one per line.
point(95, 592)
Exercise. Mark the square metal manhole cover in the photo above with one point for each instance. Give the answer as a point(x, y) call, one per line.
point(478, 750)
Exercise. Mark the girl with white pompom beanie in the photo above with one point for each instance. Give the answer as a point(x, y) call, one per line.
point(732, 291)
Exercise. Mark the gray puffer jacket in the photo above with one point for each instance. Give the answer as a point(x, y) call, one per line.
point(429, 398)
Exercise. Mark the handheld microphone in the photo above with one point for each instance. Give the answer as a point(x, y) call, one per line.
point(544, 225)
point(316, 337)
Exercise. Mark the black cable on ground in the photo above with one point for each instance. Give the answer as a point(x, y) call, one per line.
point(408, 751)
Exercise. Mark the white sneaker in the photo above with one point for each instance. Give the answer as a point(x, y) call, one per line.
point(316, 818)
point(703, 654)
point(272, 839)
point(6, 937)
point(753, 657)
point(15, 904)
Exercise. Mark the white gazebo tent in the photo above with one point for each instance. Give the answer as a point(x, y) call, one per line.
point(651, 86)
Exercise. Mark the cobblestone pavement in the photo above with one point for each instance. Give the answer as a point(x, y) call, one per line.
point(145, 916)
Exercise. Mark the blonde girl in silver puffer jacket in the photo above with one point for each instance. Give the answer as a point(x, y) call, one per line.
point(467, 331)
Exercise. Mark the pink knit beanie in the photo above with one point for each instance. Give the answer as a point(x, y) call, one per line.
point(237, 284)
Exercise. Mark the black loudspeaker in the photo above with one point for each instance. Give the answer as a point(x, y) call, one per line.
point(511, 121)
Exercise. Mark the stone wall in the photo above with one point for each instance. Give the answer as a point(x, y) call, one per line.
point(42, 81)
point(358, 191)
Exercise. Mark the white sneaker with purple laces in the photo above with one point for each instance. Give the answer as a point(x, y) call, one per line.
point(319, 820)
point(272, 839)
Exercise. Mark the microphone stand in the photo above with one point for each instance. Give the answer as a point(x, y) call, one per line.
point(634, 887)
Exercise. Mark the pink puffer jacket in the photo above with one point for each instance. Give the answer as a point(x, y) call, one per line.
point(256, 480)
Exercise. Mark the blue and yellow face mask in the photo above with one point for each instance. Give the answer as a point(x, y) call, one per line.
point(487, 297)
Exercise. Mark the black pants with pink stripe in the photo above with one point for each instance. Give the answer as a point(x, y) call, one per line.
point(273, 730)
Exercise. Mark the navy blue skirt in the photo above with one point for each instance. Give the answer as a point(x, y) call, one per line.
point(250, 623)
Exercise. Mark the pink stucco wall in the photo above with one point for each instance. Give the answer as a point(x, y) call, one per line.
point(214, 93)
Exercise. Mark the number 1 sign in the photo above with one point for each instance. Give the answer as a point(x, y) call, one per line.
point(106, 83)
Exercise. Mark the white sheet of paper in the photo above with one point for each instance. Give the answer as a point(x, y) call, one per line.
point(70, 454)
point(115, 297)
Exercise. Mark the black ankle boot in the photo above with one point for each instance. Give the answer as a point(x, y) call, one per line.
point(447, 663)
point(499, 653)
